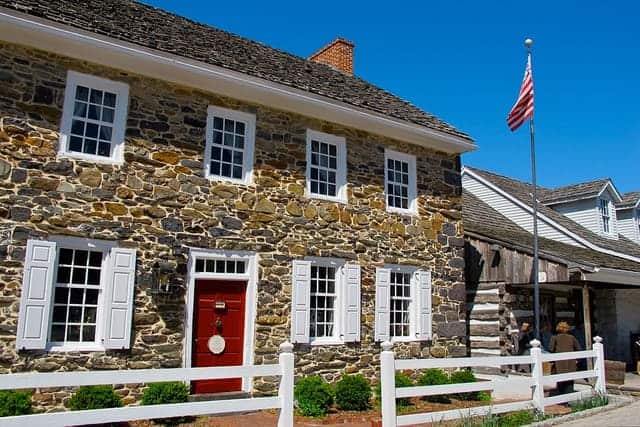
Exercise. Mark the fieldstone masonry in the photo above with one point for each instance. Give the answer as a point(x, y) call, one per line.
point(159, 202)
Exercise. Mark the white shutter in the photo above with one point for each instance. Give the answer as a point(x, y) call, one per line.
point(37, 290)
point(383, 301)
point(300, 299)
point(424, 323)
point(119, 298)
point(352, 303)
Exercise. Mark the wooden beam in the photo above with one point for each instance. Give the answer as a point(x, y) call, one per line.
point(586, 315)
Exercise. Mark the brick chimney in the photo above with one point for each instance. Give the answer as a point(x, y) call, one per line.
point(337, 54)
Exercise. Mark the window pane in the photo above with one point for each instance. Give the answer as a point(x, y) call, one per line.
point(73, 333)
point(59, 314)
point(95, 259)
point(88, 333)
point(78, 276)
point(57, 333)
point(93, 277)
point(75, 144)
point(110, 99)
point(75, 314)
point(82, 93)
point(91, 130)
point(94, 112)
point(240, 128)
point(108, 115)
point(65, 256)
point(228, 125)
point(237, 172)
point(104, 149)
point(77, 127)
point(199, 265)
point(64, 274)
point(105, 133)
point(217, 123)
point(61, 296)
point(91, 297)
point(90, 146)
point(77, 295)
point(96, 96)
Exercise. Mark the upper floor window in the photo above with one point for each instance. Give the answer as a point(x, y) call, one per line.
point(326, 166)
point(605, 215)
point(400, 182)
point(94, 118)
point(229, 145)
point(77, 294)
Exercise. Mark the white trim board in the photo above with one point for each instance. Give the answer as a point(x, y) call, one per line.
point(549, 221)
point(250, 276)
point(19, 28)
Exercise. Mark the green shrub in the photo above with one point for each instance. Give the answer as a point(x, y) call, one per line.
point(402, 380)
point(15, 403)
point(464, 376)
point(166, 392)
point(483, 396)
point(435, 377)
point(94, 397)
point(314, 396)
point(353, 393)
point(517, 419)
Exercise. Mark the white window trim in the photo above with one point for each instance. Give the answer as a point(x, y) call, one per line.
point(413, 312)
point(119, 122)
point(341, 164)
point(251, 301)
point(66, 242)
point(412, 190)
point(249, 144)
point(338, 337)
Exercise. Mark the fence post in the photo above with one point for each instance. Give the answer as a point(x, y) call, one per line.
point(285, 391)
point(537, 376)
point(388, 385)
point(598, 366)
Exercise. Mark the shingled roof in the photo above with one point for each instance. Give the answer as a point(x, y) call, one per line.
point(157, 29)
point(582, 190)
point(522, 191)
point(479, 218)
point(629, 200)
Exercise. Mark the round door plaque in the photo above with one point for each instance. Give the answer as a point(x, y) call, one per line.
point(216, 344)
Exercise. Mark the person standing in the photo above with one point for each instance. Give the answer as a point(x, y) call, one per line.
point(562, 343)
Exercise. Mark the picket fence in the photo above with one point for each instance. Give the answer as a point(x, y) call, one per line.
point(389, 392)
point(283, 401)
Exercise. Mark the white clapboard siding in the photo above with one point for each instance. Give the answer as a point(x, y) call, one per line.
point(300, 300)
point(584, 212)
point(383, 302)
point(36, 294)
point(352, 303)
point(628, 224)
point(119, 298)
point(514, 212)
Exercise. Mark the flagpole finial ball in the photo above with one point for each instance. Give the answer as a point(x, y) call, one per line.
point(528, 42)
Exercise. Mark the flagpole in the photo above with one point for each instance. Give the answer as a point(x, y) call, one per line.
point(536, 283)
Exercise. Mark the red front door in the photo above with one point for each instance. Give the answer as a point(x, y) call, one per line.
point(219, 310)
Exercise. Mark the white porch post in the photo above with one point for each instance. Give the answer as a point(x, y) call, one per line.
point(285, 391)
point(598, 366)
point(388, 385)
point(537, 376)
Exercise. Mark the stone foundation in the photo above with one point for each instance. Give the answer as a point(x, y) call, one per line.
point(159, 202)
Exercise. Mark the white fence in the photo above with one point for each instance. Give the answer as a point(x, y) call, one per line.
point(389, 392)
point(283, 401)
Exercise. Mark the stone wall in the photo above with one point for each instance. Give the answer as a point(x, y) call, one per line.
point(159, 202)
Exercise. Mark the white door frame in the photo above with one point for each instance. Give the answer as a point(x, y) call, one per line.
point(250, 276)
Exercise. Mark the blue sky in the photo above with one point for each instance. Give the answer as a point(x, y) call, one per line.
point(464, 60)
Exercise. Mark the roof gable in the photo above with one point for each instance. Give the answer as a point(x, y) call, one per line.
point(153, 28)
point(583, 190)
point(629, 200)
point(521, 192)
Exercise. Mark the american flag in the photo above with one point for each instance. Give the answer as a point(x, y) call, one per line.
point(523, 108)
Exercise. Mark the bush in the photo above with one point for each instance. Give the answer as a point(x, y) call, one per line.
point(435, 377)
point(402, 380)
point(314, 396)
point(166, 392)
point(353, 393)
point(15, 403)
point(94, 397)
point(464, 376)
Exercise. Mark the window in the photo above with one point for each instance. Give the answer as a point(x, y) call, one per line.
point(326, 166)
point(323, 301)
point(77, 294)
point(93, 118)
point(220, 266)
point(325, 306)
point(229, 145)
point(402, 304)
point(606, 218)
point(400, 182)
point(401, 294)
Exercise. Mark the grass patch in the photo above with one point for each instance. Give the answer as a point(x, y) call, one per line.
point(513, 419)
point(590, 403)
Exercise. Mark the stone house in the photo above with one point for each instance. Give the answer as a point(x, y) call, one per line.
point(589, 271)
point(174, 195)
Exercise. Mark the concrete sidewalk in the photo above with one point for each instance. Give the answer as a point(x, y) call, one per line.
point(627, 416)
